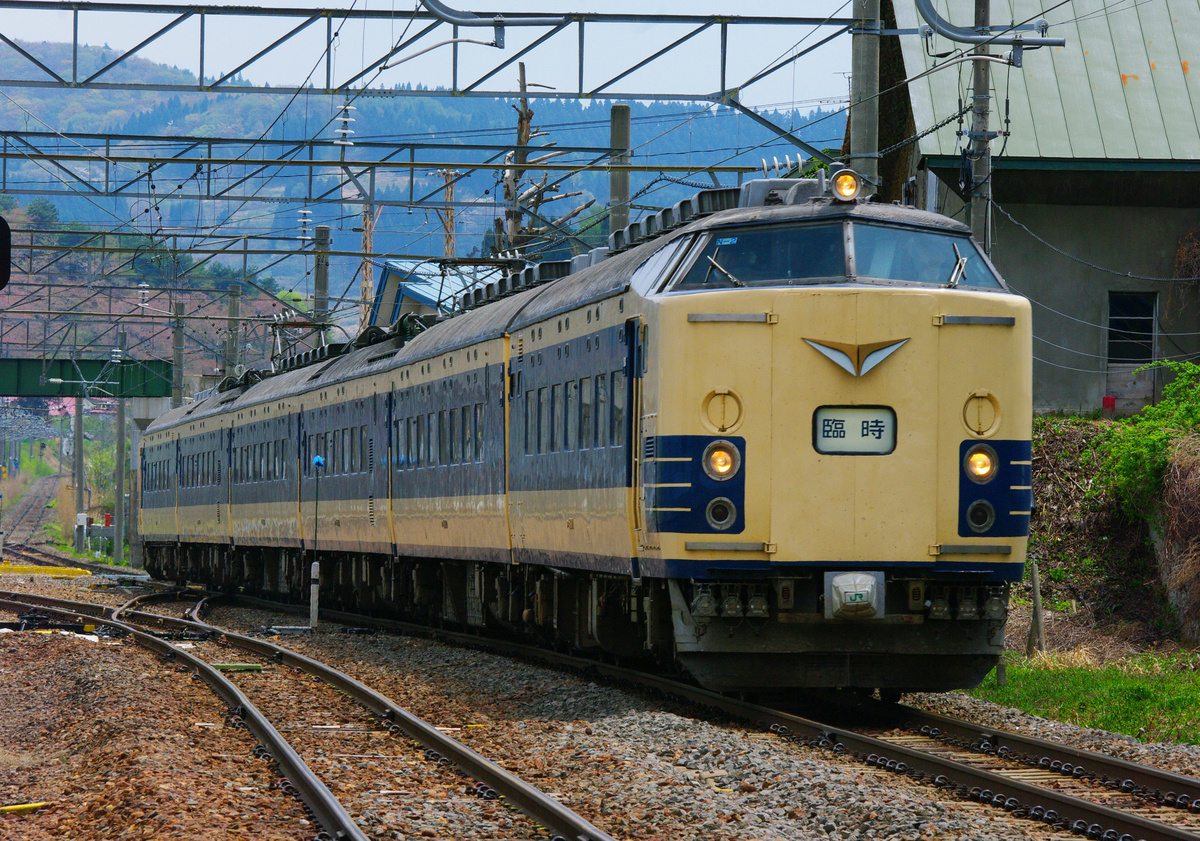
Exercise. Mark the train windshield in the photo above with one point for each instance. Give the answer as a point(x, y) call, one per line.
point(768, 256)
point(926, 257)
point(805, 254)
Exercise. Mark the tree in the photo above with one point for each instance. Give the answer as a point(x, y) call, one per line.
point(42, 211)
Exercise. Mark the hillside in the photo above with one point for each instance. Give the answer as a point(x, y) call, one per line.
point(669, 133)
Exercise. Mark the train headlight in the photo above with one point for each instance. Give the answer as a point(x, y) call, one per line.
point(980, 463)
point(722, 460)
point(846, 185)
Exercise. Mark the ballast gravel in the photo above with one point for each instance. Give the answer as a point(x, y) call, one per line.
point(1179, 758)
point(117, 744)
point(639, 767)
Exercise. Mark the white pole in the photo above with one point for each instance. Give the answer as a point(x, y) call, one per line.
point(314, 593)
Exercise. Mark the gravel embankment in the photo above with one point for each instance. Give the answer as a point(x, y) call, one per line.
point(641, 767)
point(121, 746)
point(1181, 759)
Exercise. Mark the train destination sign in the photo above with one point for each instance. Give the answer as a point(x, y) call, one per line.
point(854, 430)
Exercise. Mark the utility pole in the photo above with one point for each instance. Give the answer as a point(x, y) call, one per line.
point(80, 477)
point(321, 281)
point(516, 169)
point(177, 368)
point(367, 285)
point(119, 470)
point(233, 332)
point(864, 93)
point(618, 179)
point(449, 176)
point(981, 152)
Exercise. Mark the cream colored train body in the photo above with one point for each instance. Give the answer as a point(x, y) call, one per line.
point(782, 445)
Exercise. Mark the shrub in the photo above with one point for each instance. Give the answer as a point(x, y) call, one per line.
point(1134, 452)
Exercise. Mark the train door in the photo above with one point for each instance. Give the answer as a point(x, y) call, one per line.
point(642, 428)
point(227, 482)
point(301, 455)
point(855, 436)
point(176, 483)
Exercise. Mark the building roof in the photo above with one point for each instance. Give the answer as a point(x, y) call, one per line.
point(1126, 87)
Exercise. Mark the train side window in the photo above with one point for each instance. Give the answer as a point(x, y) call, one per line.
point(647, 276)
point(346, 439)
point(557, 413)
point(572, 437)
point(543, 420)
point(468, 440)
point(443, 439)
point(431, 429)
point(479, 432)
point(353, 450)
point(455, 447)
point(601, 410)
point(618, 408)
point(530, 422)
point(364, 452)
point(585, 413)
point(411, 443)
point(419, 439)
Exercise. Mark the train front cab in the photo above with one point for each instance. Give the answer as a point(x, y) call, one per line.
point(837, 482)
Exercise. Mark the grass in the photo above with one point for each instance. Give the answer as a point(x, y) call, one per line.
point(1150, 696)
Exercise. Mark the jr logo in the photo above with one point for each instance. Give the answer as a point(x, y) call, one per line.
point(856, 597)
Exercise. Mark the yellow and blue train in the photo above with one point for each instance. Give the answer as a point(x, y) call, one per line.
point(776, 435)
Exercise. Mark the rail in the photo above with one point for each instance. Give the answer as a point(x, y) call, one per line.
point(541, 807)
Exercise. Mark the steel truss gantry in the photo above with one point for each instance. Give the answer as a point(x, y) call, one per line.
point(232, 169)
point(437, 28)
point(322, 26)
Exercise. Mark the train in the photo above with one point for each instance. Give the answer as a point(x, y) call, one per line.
point(777, 437)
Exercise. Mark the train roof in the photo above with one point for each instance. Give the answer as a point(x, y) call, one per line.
point(601, 280)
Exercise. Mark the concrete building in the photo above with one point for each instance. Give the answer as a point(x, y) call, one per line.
point(1096, 188)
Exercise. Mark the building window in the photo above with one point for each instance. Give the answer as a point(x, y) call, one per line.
point(1131, 317)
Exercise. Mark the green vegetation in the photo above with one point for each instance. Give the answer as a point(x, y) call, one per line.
point(1151, 696)
point(1133, 454)
point(1089, 550)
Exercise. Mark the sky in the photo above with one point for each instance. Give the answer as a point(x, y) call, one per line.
point(692, 70)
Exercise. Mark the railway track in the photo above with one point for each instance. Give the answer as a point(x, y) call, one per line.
point(23, 540)
point(312, 703)
point(33, 556)
point(1070, 790)
point(23, 521)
